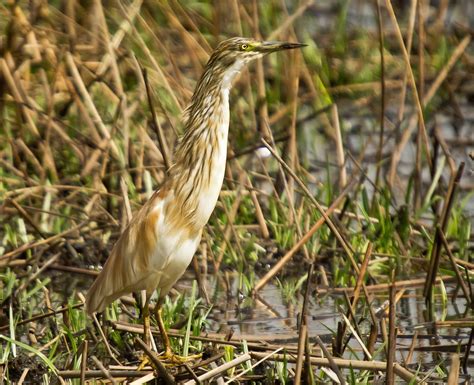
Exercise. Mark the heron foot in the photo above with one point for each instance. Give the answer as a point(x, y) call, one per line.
point(144, 362)
point(170, 358)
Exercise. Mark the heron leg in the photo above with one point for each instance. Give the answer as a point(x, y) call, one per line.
point(168, 354)
point(146, 321)
point(144, 361)
point(164, 335)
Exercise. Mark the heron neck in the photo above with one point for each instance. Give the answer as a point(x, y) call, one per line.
point(200, 156)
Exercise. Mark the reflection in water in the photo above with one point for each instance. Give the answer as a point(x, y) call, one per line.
point(269, 318)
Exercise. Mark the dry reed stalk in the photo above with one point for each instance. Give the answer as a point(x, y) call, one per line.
point(140, 175)
point(13, 85)
point(400, 146)
point(421, 48)
point(289, 21)
point(421, 84)
point(161, 74)
point(444, 147)
point(164, 148)
point(416, 97)
point(259, 343)
point(75, 147)
point(106, 373)
point(127, 216)
point(28, 180)
point(453, 378)
point(444, 219)
point(231, 380)
point(114, 44)
point(27, 217)
point(339, 147)
point(382, 95)
point(302, 336)
point(392, 336)
point(33, 276)
point(376, 87)
point(384, 334)
point(258, 212)
point(221, 369)
point(400, 371)
point(467, 350)
point(70, 22)
point(144, 380)
point(31, 157)
point(292, 153)
point(262, 108)
point(150, 145)
point(109, 46)
point(288, 188)
point(287, 257)
point(258, 208)
point(460, 280)
point(93, 160)
point(229, 228)
point(347, 248)
point(356, 334)
point(23, 376)
point(371, 340)
point(352, 303)
point(409, 283)
point(303, 328)
point(104, 338)
point(167, 377)
point(332, 364)
point(79, 83)
point(191, 372)
point(361, 276)
point(197, 53)
point(31, 47)
point(116, 374)
point(191, 24)
point(296, 66)
point(207, 361)
point(85, 347)
point(50, 240)
point(412, 348)
point(42, 316)
point(410, 30)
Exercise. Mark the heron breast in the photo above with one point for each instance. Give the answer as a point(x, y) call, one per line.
point(210, 191)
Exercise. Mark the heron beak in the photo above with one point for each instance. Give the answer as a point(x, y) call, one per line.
point(273, 46)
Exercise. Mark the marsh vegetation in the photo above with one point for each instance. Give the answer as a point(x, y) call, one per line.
point(341, 248)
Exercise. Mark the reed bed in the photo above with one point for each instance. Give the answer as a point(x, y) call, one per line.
point(349, 181)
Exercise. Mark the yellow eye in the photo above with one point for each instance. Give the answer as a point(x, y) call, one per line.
point(244, 47)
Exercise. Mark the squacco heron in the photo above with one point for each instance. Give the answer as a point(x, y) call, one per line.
point(158, 244)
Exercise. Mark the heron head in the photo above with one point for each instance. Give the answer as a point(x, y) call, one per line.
point(232, 54)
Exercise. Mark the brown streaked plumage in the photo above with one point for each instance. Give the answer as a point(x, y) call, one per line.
point(162, 237)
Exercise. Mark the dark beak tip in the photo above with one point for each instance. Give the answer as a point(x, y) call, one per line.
point(292, 45)
point(272, 46)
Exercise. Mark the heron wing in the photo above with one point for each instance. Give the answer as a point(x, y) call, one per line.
point(127, 268)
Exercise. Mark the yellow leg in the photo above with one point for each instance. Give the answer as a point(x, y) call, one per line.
point(146, 322)
point(168, 355)
point(146, 331)
point(164, 335)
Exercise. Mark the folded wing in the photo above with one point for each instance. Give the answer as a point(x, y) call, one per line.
point(128, 267)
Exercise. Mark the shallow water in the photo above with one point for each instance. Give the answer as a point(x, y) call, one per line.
point(270, 319)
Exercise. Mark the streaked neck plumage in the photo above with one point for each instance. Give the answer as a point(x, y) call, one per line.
point(198, 172)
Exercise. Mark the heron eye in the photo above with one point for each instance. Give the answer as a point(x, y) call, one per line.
point(244, 46)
